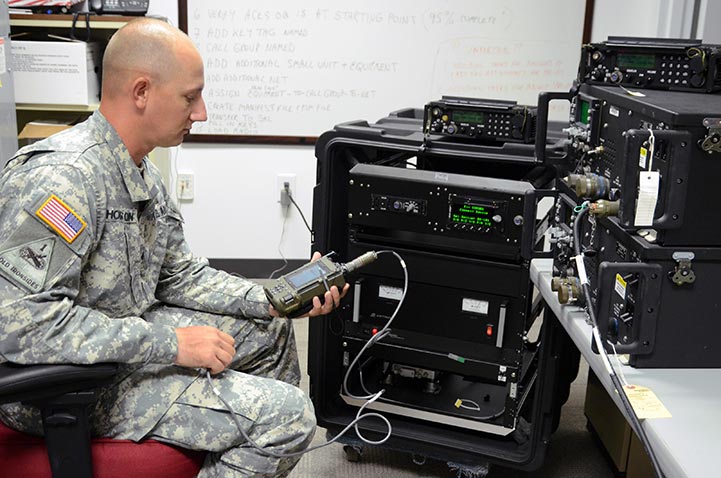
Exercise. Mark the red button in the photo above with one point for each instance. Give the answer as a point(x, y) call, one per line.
point(374, 331)
point(489, 330)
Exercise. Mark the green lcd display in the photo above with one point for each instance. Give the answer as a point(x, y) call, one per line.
point(468, 117)
point(585, 111)
point(471, 213)
point(635, 61)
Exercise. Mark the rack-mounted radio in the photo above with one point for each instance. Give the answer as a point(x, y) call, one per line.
point(653, 63)
point(479, 119)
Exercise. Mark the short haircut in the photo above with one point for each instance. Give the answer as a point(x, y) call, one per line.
point(144, 45)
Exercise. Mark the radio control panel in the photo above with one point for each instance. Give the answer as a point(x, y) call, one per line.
point(482, 120)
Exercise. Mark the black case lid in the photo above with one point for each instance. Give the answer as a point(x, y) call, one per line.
point(674, 108)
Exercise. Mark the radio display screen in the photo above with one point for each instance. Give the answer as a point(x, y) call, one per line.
point(585, 111)
point(468, 117)
point(309, 274)
point(471, 213)
point(628, 60)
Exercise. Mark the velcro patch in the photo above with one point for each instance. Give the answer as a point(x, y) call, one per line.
point(63, 220)
point(28, 265)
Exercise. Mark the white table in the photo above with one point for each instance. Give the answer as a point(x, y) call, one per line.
point(687, 445)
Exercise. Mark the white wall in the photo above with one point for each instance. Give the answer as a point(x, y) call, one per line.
point(709, 19)
point(165, 8)
point(657, 18)
point(625, 18)
point(235, 213)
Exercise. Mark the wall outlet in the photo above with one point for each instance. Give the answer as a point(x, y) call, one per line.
point(282, 180)
point(185, 186)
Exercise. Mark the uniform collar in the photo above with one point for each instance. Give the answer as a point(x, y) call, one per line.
point(137, 187)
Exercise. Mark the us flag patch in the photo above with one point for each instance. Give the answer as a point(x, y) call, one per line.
point(56, 214)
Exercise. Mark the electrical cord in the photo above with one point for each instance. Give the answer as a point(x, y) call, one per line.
point(359, 416)
point(280, 243)
point(381, 333)
point(369, 399)
point(282, 233)
point(374, 339)
point(463, 403)
point(290, 196)
point(618, 386)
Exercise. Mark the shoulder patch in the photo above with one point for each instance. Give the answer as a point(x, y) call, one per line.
point(28, 265)
point(63, 220)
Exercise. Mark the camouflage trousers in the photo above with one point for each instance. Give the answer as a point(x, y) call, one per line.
point(177, 405)
point(260, 386)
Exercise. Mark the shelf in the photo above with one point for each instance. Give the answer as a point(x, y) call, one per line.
point(102, 27)
point(46, 107)
point(98, 22)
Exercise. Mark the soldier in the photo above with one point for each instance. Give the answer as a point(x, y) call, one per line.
point(94, 268)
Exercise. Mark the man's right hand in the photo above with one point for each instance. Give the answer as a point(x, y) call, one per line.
point(204, 347)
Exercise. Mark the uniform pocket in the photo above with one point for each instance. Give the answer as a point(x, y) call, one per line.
point(137, 264)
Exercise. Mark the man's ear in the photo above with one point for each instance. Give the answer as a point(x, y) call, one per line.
point(140, 91)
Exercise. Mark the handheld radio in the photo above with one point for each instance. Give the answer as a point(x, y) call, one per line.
point(292, 294)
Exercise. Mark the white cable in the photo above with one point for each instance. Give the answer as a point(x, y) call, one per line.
point(476, 407)
point(602, 351)
point(620, 365)
point(263, 451)
point(651, 144)
point(359, 415)
point(382, 332)
point(280, 243)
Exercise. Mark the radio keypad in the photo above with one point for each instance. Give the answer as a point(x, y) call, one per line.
point(675, 70)
point(499, 126)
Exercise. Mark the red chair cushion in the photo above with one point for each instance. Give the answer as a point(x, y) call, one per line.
point(25, 456)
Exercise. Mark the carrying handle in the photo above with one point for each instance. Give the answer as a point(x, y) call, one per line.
point(648, 300)
point(676, 178)
point(544, 99)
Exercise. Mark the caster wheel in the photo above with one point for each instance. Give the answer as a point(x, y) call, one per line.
point(419, 460)
point(352, 453)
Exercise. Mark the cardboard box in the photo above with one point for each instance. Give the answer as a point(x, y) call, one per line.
point(40, 129)
point(606, 420)
point(56, 72)
point(639, 464)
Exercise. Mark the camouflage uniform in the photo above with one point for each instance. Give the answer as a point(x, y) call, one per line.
point(94, 268)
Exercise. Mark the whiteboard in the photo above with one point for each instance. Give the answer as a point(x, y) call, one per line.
point(288, 68)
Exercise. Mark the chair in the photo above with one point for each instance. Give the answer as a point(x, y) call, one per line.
point(63, 394)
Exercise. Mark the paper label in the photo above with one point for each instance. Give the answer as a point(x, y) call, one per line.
point(642, 157)
point(581, 268)
point(620, 286)
point(648, 184)
point(635, 93)
point(645, 403)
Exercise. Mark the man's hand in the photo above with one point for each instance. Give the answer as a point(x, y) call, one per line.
point(204, 347)
point(331, 299)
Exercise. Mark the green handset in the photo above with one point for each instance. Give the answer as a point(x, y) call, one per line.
point(292, 294)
